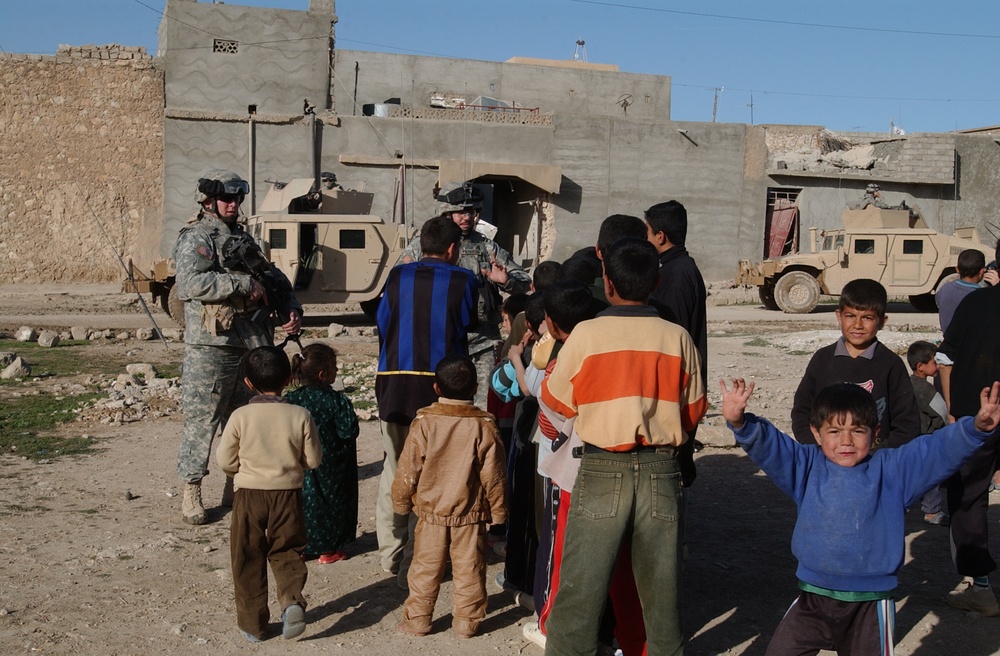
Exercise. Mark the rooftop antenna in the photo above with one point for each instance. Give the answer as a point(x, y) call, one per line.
point(581, 50)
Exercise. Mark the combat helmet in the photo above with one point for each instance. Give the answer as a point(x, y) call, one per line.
point(871, 188)
point(216, 182)
point(458, 196)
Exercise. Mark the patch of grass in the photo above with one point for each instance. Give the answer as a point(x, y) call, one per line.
point(757, 341)
point(363, 404)
point(76, 357)
point(171, 370)
point(800, 353)
point(26, 422)
point(12, 509)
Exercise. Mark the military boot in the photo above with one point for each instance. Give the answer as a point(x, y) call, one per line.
point(191, 509)
point(227, 493)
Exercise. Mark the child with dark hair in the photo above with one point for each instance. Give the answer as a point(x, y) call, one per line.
point(451, 475)
point(632, 384)
point(858, 357)
point(330, 491)
point(971, 267)
point(525, 360)
point(849, 551)
point(266, 447)
point(933, 413)
point(512, 306)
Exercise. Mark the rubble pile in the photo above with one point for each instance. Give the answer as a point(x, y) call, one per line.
point(139, 394)
point(133, 396)
point(357, 380)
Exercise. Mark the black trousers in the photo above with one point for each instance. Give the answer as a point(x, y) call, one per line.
point(851, 628)
point(968, 503)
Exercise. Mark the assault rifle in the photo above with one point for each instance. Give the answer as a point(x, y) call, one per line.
point(241, 253)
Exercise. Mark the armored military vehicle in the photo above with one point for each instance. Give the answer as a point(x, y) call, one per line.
point(326, 241)
point(893, 246)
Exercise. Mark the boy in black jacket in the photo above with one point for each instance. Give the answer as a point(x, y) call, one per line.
point(858, 357)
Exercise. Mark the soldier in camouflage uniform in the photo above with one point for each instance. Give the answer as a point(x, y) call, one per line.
point(225, 316)
point(494, 268)
point(873, 196)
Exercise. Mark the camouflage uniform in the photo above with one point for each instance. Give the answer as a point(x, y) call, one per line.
point(219, 329)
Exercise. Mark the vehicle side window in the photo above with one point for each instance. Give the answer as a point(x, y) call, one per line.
point(828, 243)
point(864, 246)
point(278, 238)
point(913, 246)
point(352, 239)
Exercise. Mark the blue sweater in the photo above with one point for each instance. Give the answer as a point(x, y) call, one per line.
point(849, 530)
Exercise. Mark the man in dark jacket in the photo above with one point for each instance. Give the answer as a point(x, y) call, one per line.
point(681, 289)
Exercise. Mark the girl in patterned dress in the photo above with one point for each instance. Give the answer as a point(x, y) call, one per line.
point(329, 492)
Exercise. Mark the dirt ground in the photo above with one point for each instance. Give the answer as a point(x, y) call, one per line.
point(95, 560)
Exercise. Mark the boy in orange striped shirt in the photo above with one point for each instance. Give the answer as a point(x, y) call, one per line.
point(633, 381)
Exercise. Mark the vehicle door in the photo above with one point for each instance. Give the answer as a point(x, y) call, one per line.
point(352, 256)
point(280, 244)
point(911, 262)
point(866, 256)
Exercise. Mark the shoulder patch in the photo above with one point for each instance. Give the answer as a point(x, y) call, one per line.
point(204, 252)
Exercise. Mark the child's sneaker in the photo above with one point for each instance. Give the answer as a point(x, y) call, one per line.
point(251, 637)
point(981, 600)
point(937, 519)
point(533, 634)
point(293, 622)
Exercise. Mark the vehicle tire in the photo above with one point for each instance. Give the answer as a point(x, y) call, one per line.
point(951, 277)
point(174, 306)
point(797, 292)
point(766, 293)
point(924, 303)
point(370, 307)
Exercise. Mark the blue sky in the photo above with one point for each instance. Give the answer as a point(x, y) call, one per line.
point(848, 65)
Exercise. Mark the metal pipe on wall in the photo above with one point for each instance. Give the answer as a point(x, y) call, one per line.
point(251, 158)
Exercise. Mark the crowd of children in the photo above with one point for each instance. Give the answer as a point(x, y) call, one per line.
point(575, 476)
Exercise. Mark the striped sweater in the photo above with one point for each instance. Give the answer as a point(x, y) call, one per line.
point(426, 311)
point(629, 378)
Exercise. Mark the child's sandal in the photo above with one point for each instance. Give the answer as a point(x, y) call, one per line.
point(332, 557)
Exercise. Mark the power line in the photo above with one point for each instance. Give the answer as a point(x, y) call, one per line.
point(883, 30)
point(838, 96)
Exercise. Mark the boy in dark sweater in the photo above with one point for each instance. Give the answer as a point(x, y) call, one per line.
point(850, 550)
point(858, 357)
point(933, 411)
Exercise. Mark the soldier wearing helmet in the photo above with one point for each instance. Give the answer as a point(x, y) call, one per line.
point(493, 265)
point(495, 270)
point(873, 196)
point(222, 321)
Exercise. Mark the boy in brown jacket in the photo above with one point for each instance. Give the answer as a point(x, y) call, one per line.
point(451, 474)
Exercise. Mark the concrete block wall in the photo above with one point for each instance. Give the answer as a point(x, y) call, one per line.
point(928, 158)
point(279, 58)
point(81, 146)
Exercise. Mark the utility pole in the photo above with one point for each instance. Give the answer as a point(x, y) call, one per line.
point(715, 103)
point(751, 108)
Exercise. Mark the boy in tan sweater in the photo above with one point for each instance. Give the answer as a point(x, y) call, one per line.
point(451, 474)
point(266, 446)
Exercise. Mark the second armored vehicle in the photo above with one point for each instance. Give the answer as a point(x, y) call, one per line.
point(893, 246)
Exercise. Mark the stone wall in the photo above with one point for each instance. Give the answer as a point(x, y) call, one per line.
point(81, 163)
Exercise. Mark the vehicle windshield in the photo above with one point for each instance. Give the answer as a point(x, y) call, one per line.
point(832, 241)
